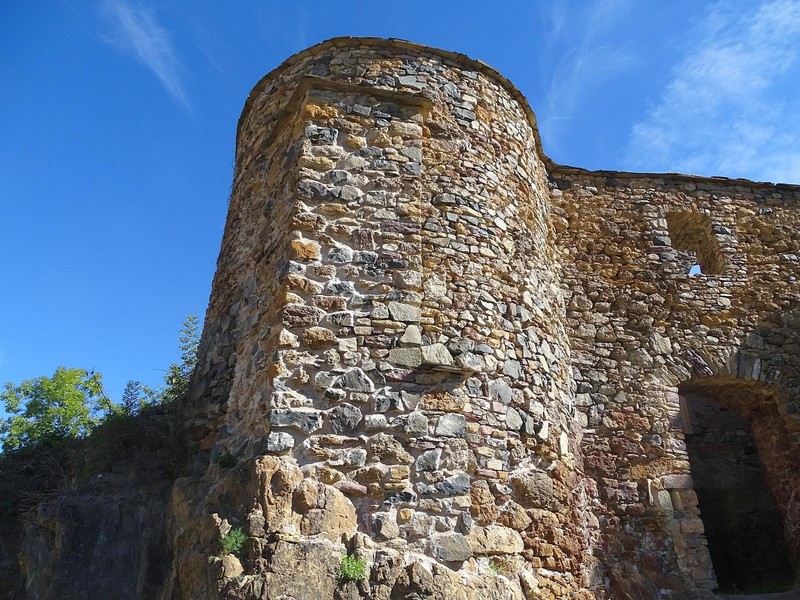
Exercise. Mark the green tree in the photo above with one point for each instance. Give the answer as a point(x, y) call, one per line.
point(178, 376)
point(43, 410)
point(133, 398)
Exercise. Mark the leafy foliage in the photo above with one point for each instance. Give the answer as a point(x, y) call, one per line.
point(149, 437)
point(71, 403)
point(47, 409)
point(232, 542)
point(178, 376)
point(352, 568)
point(132, 398)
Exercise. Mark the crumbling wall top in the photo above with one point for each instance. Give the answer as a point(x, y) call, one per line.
point(458, 58)
point(401, 45)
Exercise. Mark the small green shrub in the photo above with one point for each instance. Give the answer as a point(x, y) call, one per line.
point(233, 542)
point(226, 460)
point(352, 568)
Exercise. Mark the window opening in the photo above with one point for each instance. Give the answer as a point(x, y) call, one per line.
point(692, 236)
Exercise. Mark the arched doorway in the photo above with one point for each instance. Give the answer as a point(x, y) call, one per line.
point(737, 449)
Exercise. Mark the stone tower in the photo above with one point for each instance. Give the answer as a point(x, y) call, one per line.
point(431, 348)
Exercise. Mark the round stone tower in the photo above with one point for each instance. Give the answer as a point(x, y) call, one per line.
point(384, 370)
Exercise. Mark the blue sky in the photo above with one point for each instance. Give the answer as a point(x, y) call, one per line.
point(118, 121)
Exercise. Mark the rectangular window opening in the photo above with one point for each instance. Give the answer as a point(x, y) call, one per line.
point(692, 236)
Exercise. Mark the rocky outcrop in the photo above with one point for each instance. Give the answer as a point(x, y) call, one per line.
point(70, 532)
point(298, 531)
point(85, 519)
point(109, 542)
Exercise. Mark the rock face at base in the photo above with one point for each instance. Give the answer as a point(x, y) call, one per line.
point(437, 365)
point(294, 548)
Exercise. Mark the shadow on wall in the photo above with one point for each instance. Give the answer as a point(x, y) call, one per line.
point(741, 440)
point(736, 446)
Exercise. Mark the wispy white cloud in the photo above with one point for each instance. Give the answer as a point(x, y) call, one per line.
point(209, 45)
point(133, 29)
point(732, 106)
point(594, 54)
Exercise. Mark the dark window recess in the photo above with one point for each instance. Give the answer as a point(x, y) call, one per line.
point(743, 525)
point(693, 238)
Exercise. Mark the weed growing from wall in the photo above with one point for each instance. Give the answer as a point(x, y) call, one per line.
point(352, 568)
point(232, 542)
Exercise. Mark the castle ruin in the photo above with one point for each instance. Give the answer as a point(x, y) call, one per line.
point(484, 374)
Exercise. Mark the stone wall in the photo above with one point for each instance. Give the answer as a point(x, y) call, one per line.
point(430, 347)
point(645, 332)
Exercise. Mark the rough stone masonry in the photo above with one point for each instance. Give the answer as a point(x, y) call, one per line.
point(483, 374)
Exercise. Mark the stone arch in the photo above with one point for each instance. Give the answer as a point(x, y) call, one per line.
point(743, 464)
point(745, 367)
